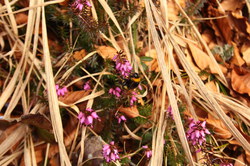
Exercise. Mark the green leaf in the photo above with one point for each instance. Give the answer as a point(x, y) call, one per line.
point(146, 58)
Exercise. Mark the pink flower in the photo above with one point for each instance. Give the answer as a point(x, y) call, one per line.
point(148, 152)
point(88, 117)
point(226, 164)
point(110, 152)
point(88, 3)
point(115, 91)
point(133, 98)
point(122, 65)
point(86, 86)
point(121, 118)
point(61, 91)
point(139, 87)
point(170, 112)
point(197, 132)
point(77, 5)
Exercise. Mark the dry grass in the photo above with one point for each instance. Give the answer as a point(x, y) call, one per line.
point(161, 34)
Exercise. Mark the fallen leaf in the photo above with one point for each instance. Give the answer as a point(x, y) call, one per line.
point(173, 10)
point(232, 5)
point(79, 55)
point(69, 130)
point(201, 58)
point(240, 83)
point(247, 156)
point(79, 84)
point(131, 112)
point(240, 23)
point(21, 18)
point(245, 50)
point(212, 86)
point(214, 70)
point(219, 128)
point(106, 51)
point(239, 158)
point(37, 120)
point(236, 59)
point(208, 36)
point(72, 97)
point(221, 26)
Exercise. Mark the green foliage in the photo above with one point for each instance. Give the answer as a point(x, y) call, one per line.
point(146, 58)
point(144, 111)
point(147, 137)
point(94, 64)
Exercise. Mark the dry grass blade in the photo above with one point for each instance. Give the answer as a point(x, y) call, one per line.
point(9, 159)
point(29, 152)
point(204, 44)
point(207, 95)
point(111, 15)
point(167, 80)
point(52, 96)
point(158, 137)
point(12, 139)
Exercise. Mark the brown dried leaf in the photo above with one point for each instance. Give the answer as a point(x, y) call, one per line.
point(212, 86)
point(240, 83)
point(8, 131)
point(4, 124)
point(236, 59)
point(221, 27)
point(71, 97)
point(220, 130)
point(40, 150)
point(208, 36)
point(79, 84)
point(21, 18)
point(240, 23)
point(245, 50)
point(239, 158)
point(131, 112)
point(201, 58)
point(173, 10)
point(248, 156)
point(232, 5)
point(153, 65)
point(79, 55)
point(106, 51)
point(37, 120)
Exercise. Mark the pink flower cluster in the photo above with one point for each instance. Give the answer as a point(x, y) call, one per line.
point(88, 117)
point(170, 112)
point(133, 98)
point(115, 91)
point(122, 65)
point(86, 86)
point(148, 152)
point(61, 91)
point(79, 4)
point(197, 132)
point(110, 152)
point(121, 118)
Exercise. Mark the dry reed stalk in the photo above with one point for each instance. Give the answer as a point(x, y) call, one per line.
point(166, 77)
point(52, 96)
